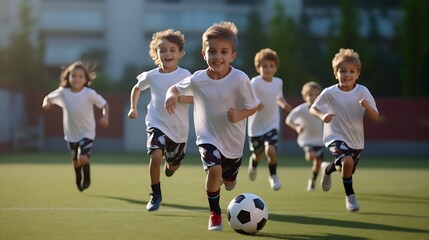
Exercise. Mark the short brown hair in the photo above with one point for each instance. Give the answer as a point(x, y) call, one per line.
point(266, 54)
point(224, 30)
point(175, 37)
point(346, 55)
point(308, 86)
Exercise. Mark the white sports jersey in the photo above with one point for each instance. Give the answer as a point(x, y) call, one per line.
point(212, 99)
point(175, 126)
point(313, 127)
point(78, 111)
point(347, 125)
point(269, 117)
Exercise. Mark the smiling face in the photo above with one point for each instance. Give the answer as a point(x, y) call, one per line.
point(347, 74)
point(169, 54)
point(77, 79)
point(218, 53)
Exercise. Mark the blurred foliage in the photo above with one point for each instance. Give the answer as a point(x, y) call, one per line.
point(391, 66)
point(21, 64)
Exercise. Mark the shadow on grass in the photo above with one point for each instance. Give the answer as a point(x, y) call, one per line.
point(309, 237)
point(396, 198)
point(139, 202)
point(341, 223)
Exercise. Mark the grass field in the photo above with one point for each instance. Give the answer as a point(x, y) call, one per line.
point(39, 200)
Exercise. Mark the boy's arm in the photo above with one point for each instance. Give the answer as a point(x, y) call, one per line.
point(293, 125)
point(371, 112)
point(325, 117)
point(104, 120)
point(284, 104)
point(185, 99)
point(235, 116)
point(171, 99)
point(134, 99)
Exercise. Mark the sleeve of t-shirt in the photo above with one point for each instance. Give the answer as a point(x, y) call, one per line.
point(142, 81)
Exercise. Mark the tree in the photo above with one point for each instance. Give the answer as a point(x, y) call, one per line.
point(23, 62)
point(415, 48)
point(254, 40)
point(285, 39)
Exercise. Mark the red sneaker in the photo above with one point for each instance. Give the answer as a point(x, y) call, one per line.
point(215, 222)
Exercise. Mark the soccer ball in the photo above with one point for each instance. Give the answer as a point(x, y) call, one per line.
point(247, 213)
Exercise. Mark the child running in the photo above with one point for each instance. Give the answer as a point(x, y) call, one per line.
point(223, 99)
point(309, 129)
point(342, 107)
point(166, 134)
point(263, 127)
point(77, 101)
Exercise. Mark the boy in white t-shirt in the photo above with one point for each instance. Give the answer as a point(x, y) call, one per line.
point(342, 107)
point(166, 134)
point(223, 99)
point(263, 126)
point(309, 129)
point(77, 101)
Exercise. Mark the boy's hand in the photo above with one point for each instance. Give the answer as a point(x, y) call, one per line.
point(133, 113)
point(104, 121)
point(170, 104)
point(232, 115)
point(327, 118)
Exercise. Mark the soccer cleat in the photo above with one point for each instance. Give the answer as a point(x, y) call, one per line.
point(326, 179)
point(251, 171)
point(215, 222)
point(167, 171)
point(274, 182)
point(231, 186)
point(351, 203)
point(310, 185)
point(153, 204)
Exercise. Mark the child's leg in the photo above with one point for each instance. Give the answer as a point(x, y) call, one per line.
point(174, 155)
point(84, 161)
point(347, 171)
point(271, 153)
point(154, 166)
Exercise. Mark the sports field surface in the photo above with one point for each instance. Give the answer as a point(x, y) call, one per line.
point(39, 200)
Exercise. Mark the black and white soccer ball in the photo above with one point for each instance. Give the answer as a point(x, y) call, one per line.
point(247, 213)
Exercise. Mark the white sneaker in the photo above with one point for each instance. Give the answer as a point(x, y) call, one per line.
point(251, 171)
point(326, 179)
point(274, 182)
point(310, 185)
point(351, 203)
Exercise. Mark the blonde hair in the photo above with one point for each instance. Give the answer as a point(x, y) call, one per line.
point(223, 30)
point(266, 54)
point(308, 86)
point(175, 37)
point(346, 55)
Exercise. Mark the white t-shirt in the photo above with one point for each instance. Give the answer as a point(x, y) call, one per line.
point(269, 117)
point(78, 111)
point(212, 99)
point(313, 127)
point(175, 126)
point(347, 125)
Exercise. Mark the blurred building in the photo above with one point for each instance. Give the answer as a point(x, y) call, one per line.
point(117, 33)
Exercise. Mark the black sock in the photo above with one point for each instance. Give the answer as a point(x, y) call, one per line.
point(348, 185)
point(214, 198)
point(254, 163)
point(330, 168)
point(273, 169)
point(78, 171)
point(315, 174)
point(86, 176)
point(156, 189)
